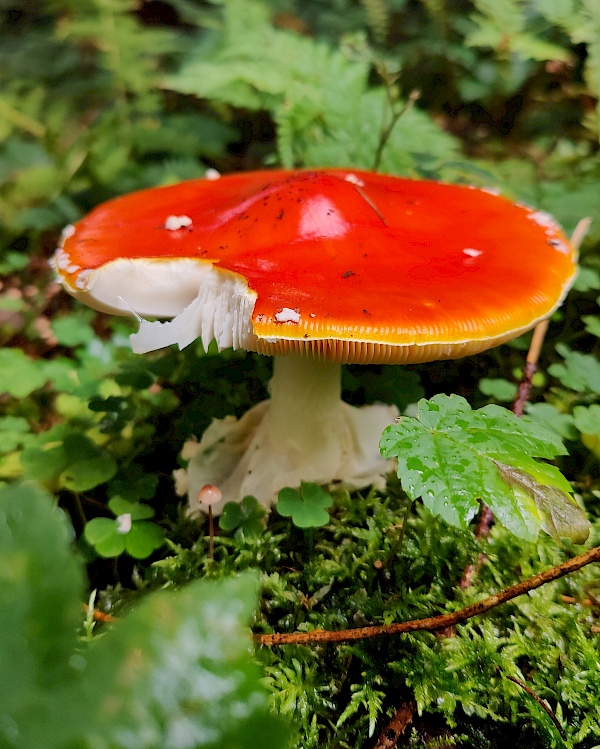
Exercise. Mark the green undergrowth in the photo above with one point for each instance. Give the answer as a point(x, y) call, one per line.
point(366, 566)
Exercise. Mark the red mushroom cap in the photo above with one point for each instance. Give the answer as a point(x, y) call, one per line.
point(348, 265)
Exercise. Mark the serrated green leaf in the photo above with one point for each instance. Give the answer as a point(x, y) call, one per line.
point(446, 457)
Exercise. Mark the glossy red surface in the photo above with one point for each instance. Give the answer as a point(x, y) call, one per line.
point(363, 255)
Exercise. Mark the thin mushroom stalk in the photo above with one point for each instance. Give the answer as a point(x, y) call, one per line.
point(317, 268)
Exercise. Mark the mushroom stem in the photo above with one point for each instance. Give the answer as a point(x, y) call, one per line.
point(305, 396)
point(304, 432)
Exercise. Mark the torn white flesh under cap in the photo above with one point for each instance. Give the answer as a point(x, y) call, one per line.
point(222, 311)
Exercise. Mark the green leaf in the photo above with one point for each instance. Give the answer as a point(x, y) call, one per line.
point(13, 261)
point(43, 464)
point(318, 96)
point(305, 506)
point(135, 509)
point(592, 324)
point(72, 330)
point(136, 376)
point(587, 419)
point(132, 484)
point(550, 417)
point(103, 534)
point(179, 675)
point(498, 388)
point(174, 674)
point(41, 585)
point(89, 473)
point(447, 456)
point(579, 371)
point(14, 432)
point(245, 517)
point(143, 539)
point(128, 532)
point(587, 279)
point(19, 375)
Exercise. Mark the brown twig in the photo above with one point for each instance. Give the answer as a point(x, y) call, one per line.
point(486, 520)
point(531, 367)
point(100, 616)
point(545, 706)
point(433, 623)
point(400, 721)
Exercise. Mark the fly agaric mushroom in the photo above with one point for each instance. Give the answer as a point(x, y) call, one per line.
point(317, 268)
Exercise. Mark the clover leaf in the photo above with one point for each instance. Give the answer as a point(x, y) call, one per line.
point(245, 517)
point(306, 506)
point(128, 532)
point(452, 457)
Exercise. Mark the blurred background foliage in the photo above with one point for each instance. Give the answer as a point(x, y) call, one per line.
point(101, 97)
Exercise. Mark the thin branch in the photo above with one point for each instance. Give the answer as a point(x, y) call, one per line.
point(486, 520)
point(531, 367)
point(386, 132)
point(433, 623)
point(545, 706)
